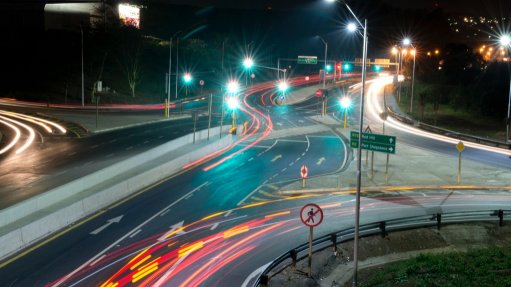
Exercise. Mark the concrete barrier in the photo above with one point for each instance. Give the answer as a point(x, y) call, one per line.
point(33, 219)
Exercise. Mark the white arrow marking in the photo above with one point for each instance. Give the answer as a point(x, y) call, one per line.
point(109, 222)
point(321, 160)
point(276, 158)
point(173, 228)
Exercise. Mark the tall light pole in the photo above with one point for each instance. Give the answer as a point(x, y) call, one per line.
point(505, 40)
point(408, 42)
point(83, 76)
point(170, 70)
point(352, 28)
point(324, 68)
point(177, 63)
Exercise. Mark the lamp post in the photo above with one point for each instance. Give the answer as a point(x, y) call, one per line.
point(345, 103)
point(505, 40)
point(170, 71)
point(408, 42)
point(324, 68)
point(248, 63)
point(177, 63)
point(187, 79)
point(352, 28)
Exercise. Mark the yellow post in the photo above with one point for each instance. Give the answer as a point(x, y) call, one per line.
point(166, 107)
point(345, 117)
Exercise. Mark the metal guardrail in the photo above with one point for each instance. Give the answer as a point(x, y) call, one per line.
point(449, 133)
point(381, 227)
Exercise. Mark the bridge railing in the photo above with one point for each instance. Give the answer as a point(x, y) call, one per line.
point(291, 257)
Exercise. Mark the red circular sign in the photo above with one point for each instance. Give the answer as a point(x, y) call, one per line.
point(304, 171)
point(311, 215)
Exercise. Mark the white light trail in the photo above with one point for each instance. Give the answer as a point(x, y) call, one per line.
point(31, 134)
point(375, 110)
point(16, 137)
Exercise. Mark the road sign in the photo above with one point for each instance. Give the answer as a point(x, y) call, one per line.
point(201, 82)
point(304, 171)
point(311, 215)
point(307, 60)
point(460, 146)
point(374, 142)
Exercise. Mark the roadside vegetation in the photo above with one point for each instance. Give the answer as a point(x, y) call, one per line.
point(484, 267)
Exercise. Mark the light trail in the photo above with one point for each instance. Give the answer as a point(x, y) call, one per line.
point(375, 109)
point(31, 134)
point(14, 140)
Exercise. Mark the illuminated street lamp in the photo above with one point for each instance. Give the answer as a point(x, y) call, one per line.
point(505, 40)
point(187, 79)
point(353, 27)
point(248, 63)
point(283, 86)
point(233, 105)
point(345, 103)
point(408, 42)
point(233, 87)
point(326, 49)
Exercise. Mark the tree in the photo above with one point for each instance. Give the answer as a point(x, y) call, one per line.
point(129, 59)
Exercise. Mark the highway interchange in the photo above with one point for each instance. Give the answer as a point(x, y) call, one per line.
point(217, 222)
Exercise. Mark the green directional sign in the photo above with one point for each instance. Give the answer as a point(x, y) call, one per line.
point(374, 142)
point(307, 60)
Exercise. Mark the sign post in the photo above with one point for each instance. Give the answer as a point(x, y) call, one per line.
point(201, 83)
point(304, 172)
point(311, 215)
point(460, 147)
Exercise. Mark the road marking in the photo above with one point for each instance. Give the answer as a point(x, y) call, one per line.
point(130, 147)
point(112, 141)
point(65, 278)
point(165, 212)
point(214, 226)
point(291, 164)
point(178, 226)
point(146, 142)
point(188, 196)
point(60, 172)
point(71, 154)
point(110, 155)
point(251, 159)
point(293, 141)
point(284, 169)
point(321, 160)
point(160, 137)
point(136, 232)
point(228, 213)
point(276, 158)
point(303, 154)
point(109, 222)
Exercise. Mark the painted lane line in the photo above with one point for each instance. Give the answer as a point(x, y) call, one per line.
point(130, 147)
point(251, 159)
point(214, 226)
point(95, 257)
point(71, 154)
point(284, 169)
point(228, 213)
point(165, 212)
point(291, 164)
point(136, 232)
point(146, 142)
point(110, 155)
point(188, 196)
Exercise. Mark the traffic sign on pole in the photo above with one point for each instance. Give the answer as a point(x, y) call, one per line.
point(374, 142)
point(304, 171)
point(201, 82)
point(311, 215)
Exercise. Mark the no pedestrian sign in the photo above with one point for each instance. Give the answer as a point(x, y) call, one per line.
point(311, 215)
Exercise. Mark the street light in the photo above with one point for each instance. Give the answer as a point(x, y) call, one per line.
point(283, 86)
point(352, 27)
point(187, 79)
point(324, 69)
point(233, 104)
point(505, 40)
point(248, 63)
point(408, 42)
point(170, 71)
point(345, 103)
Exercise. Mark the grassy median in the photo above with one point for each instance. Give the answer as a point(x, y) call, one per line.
point(484, 267)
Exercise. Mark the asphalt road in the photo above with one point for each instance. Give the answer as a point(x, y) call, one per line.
point(216, 224)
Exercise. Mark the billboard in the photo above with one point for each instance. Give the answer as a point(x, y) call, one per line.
point(129, 15)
